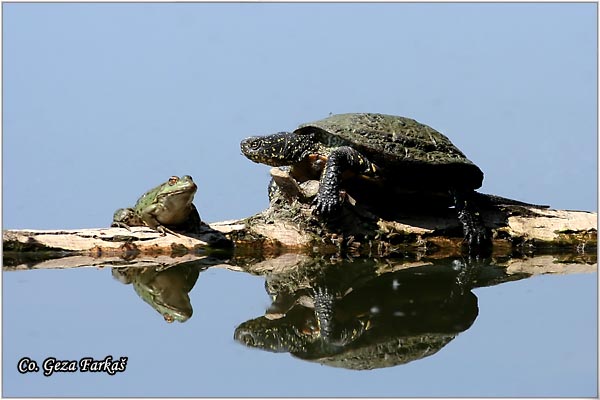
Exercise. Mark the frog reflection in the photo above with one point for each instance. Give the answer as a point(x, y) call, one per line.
point(166, 290)
point(379, 321)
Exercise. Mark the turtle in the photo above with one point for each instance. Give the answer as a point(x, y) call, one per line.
point(365, 314)
point(397, 151)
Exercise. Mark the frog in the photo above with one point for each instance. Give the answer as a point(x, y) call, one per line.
point(167, 206)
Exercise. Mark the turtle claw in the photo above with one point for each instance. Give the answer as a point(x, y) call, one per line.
point(326, 206)
point(322, 294)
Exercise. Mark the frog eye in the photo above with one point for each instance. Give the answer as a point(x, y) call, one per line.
point(173, 180)
point(168, 318)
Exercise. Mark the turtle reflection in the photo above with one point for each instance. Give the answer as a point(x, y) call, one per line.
point(379, 321)
point(166, 290)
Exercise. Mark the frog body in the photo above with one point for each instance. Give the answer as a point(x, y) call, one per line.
point(165, 207)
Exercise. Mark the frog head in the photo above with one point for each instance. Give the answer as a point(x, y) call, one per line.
point(180, 190)
point(171, 197)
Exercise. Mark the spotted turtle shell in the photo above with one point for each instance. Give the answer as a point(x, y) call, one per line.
point(405, 149)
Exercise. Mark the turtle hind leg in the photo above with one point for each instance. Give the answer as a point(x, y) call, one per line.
point(477, 237)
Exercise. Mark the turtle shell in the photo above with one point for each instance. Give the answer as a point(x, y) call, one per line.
point(401, 147)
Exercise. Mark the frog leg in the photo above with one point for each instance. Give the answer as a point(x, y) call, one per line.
point(120, 225)
point(341, 159)
point(164, 230)
point(150, 221)
point(124, 218)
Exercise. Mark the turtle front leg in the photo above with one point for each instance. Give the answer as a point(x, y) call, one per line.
point(344, 158)
point(324, 309)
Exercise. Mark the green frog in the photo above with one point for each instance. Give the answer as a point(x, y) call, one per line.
point(169, 205)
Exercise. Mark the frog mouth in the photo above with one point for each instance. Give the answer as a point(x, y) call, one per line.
point(178, 193)
point(191, 188)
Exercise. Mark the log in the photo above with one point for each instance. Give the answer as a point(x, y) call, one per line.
point(525, 227)
point(514, 228)
point(289, 224)
point(100, 242)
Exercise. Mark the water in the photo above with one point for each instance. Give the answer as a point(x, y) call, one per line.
point(171, 89)
point(482, 333)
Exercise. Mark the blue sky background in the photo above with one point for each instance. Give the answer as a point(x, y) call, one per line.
point(104, 101)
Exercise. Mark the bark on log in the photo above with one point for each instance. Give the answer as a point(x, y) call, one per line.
point(515, 228)
point(99, 242)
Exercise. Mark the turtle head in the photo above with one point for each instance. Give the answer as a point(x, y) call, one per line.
point(279, 149)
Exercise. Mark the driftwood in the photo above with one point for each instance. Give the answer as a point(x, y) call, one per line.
point(405, 225)
point(566, 237)
point(99, 242)
point(514, 228)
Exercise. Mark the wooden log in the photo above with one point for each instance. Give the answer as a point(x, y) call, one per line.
point(109, 242)
point(513, 227)
point(290, 225)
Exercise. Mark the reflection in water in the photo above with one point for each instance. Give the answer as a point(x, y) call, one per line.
point(166, 290)
point(351, 316)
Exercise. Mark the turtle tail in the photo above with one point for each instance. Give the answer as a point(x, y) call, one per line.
point(492, 200)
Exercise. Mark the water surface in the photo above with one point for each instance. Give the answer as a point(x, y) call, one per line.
point(534, 336)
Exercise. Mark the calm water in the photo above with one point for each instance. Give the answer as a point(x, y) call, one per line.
point(199, 77)
point(536, 336)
